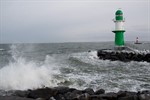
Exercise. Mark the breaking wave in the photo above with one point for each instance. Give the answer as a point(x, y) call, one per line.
point(21, 74)
point(78, 70)
point(109, 75)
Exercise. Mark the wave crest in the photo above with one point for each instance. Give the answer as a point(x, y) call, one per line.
point(22, 74)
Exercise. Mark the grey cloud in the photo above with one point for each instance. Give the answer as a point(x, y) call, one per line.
point(70, 20)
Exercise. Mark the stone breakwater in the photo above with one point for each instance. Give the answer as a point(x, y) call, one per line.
point(124, 56)
point(66, 93)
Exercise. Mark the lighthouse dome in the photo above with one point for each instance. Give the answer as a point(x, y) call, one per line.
point(119, 12)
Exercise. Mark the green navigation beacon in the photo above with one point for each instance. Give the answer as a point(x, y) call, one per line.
point(119, 29)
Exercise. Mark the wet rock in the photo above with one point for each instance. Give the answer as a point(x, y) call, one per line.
point(77, 92)
point(138, 57)
point(121, 94)
point(84, 96)
point(122, 56)
point(109, 96)
point(128, 93)
point(63, 90)
point(21, 93)
point(14, 98)
point(114, 58)
point(147, 57)
point(144, 95)
point(59, 97)
point(73, 95)
point(72, 89)
point(89, 91)
point(66, 93)
point(100, 91)
point(128, 98)
point(145, 92)
point(96, 97)
point(70, 96)
point(40, 99)
point(42, 93)
point(52, 98)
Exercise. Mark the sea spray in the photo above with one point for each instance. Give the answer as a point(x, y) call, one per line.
point(21, 74)
point(70, 65)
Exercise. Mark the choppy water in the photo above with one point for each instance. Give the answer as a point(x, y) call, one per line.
point(30, 66)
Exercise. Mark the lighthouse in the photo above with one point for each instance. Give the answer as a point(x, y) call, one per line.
point(119, 29)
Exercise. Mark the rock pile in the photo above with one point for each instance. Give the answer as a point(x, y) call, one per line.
point(66, 93)
point(123, 56)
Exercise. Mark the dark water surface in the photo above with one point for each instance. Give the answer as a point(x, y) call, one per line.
point(30, 66)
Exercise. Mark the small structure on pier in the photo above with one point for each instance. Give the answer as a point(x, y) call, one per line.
point(137, 41)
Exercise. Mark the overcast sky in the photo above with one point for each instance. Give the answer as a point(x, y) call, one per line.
point(38, 21)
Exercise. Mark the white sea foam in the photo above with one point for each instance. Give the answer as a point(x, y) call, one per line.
point(93, 55)
point(86, 70)
point(86, 57)
point(22, 74)
point(109, 75)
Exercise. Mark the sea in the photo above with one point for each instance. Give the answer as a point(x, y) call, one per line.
point(26, 66)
